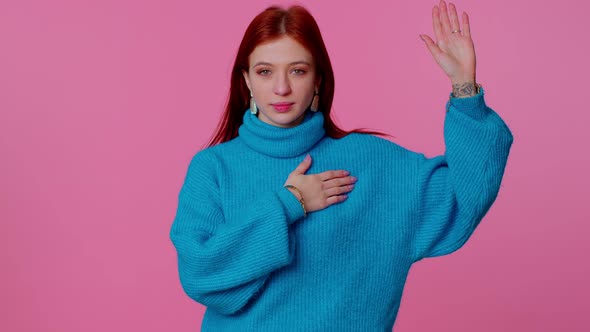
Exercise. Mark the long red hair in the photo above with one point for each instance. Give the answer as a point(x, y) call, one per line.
point(273, 23)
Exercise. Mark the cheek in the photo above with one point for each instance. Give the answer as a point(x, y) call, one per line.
point(305, 87)
point(261, 88)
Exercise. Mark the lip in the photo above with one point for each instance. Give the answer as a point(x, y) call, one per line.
point(282, 107)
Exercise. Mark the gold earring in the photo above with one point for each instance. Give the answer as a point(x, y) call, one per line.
point(315, 102)
point(253, 107)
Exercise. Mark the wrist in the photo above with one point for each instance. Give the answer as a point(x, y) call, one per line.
point(464, 89)
point(294, 189)
point(294, 192)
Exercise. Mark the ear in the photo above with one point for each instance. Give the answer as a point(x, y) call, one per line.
point(247, 78)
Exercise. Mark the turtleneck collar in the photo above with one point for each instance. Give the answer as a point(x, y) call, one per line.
point(282, 142)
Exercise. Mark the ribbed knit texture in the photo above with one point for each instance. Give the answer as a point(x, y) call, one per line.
point(246, 252)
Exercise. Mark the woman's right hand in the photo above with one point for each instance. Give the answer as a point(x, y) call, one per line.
point(320, 190)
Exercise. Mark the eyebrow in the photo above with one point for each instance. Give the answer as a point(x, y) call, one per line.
point(301, 62)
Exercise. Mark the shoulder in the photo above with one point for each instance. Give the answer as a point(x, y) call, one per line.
point(204, 161)
point(213, 154)
point(217, 159)
point(376, 145)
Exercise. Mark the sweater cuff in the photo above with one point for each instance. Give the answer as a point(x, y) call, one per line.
point(293, 208)
point(473, 106)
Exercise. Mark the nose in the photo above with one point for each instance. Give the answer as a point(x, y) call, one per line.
point(282, 86)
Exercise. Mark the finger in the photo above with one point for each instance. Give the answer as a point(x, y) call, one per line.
point(437, 27)
point(303, 166)
point(337, 182)
point(444, 17)
point(454, 17)
point(336, 199)
point(466, 28)
point(432, 47)
point(324, 176)
point(339, 190)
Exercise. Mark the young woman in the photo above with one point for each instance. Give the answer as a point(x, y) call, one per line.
point(269, 240)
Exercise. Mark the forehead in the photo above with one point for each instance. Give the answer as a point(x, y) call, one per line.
point(280, 51)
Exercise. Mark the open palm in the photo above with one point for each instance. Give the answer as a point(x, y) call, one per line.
point(453, 51)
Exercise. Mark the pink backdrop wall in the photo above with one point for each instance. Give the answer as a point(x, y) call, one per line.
point(103, 103)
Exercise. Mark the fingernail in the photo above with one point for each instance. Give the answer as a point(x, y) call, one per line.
point(354, 179)
point(346, 172)
point(307, 157)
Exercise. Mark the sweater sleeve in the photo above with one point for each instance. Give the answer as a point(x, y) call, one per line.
point(223, 265)
point(455, 190)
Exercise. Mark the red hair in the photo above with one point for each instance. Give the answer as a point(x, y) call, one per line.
point(273, 23)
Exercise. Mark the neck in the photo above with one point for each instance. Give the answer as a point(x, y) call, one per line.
point(282, 142)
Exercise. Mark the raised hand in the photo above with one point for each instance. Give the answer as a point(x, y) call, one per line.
point(453, 49)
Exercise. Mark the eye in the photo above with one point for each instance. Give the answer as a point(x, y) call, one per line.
point(264, 72)
point(299, 71)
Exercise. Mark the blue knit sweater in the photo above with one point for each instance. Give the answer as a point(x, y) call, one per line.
point(246, 252)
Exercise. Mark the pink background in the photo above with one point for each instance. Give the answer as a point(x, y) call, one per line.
point(103, 103)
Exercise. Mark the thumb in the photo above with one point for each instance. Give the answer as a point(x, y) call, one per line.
point(304, 165)
point(432, 47)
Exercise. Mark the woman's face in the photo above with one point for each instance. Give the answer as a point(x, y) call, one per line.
point(281, 76)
